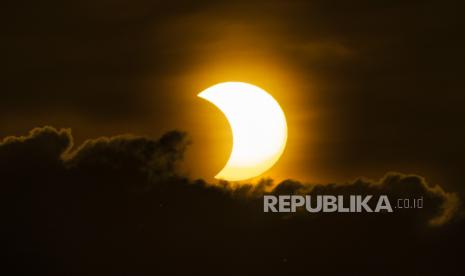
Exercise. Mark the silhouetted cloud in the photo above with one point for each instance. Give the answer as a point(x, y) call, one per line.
point(119, 205)
point(441, 206)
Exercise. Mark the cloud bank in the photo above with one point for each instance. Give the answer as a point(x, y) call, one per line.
point(120, 205)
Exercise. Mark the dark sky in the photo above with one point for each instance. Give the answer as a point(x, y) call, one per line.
point(368, 87)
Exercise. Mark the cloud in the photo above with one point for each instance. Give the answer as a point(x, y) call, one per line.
point(120, 205)
point(155, 157)
point(441, 206)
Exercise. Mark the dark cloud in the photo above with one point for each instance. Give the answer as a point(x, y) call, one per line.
point(119, 205)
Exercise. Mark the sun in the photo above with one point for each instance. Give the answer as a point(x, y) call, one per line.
point(258, 125)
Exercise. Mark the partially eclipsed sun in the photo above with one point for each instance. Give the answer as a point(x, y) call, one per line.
point(258, 127)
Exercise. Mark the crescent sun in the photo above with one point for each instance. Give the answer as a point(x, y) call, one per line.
point(258, 127)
